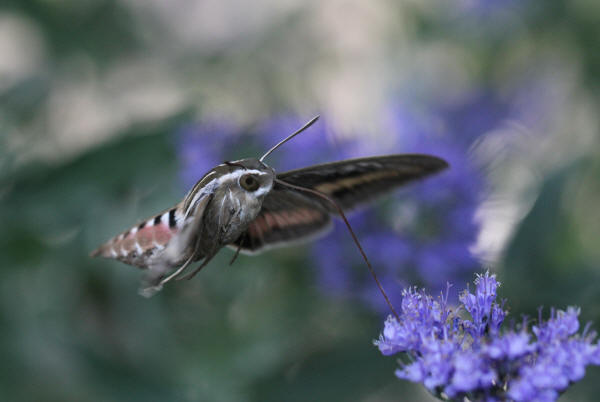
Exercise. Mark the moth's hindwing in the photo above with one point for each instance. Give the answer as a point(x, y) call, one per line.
point(286, 216)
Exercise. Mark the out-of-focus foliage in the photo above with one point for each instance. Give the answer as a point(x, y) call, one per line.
point(93, 98)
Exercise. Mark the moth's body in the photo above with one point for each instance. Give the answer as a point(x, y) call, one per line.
point(246, 205)
point(215, 213)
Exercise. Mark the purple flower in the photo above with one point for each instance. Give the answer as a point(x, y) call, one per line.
point(201, 147)
point(511, 345)
point(471, 371)
point(470, 357)
point(487, 315)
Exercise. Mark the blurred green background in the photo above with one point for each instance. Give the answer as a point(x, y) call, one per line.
point(91, 94)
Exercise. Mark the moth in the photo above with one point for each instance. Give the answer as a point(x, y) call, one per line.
point(246, 205)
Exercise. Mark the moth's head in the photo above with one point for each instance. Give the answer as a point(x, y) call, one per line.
point(249, 175)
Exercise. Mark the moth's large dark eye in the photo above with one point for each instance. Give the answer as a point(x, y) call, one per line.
point(249, 182)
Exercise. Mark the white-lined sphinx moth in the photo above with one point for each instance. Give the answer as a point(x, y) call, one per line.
point(246, 205)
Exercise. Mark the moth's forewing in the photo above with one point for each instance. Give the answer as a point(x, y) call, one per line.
point(288, 216)
point(354, 182)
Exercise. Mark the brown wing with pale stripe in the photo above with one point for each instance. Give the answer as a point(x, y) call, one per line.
point(354, 182)
point(286, 216)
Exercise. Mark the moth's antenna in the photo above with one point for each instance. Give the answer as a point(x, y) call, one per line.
point(341, 212)
point(280, 143)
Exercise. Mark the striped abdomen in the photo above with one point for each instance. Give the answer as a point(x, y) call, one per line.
point(138, 245)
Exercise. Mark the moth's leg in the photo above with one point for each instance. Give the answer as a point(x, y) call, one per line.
point(150, 284)
point(155, 287)
point(177, 272)
point(237, 253)
point(204, 263)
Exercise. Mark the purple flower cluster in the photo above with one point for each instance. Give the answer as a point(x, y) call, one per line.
point(456, 355)
point(200, 147)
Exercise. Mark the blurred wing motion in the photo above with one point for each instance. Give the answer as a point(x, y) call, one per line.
point(288, 215)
